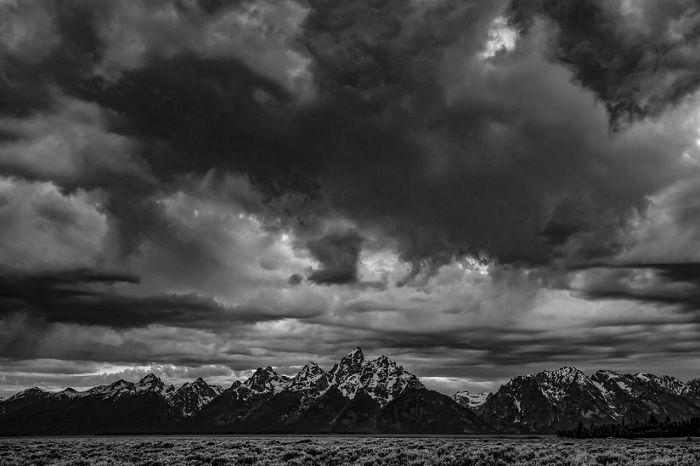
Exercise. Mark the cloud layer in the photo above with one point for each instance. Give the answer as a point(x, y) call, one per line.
point(196, 183)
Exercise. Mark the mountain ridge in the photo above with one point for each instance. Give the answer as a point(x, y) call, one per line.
point(355, 395)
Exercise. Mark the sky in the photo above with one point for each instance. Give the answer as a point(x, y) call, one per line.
point(477, 189)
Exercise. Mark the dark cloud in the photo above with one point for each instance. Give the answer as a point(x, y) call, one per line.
point(433, 171)
point(45, 45)
point(338, 253)
point(638, 57)
point(25, 79)
point(396, 137)
point(81, 297)
point(660, 283)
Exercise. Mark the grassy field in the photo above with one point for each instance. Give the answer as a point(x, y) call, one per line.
point(345, 450)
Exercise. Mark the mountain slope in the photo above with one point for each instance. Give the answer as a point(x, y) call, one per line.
point(633, 398)
point(230, 411)
point(558, 400)
point(691, 390)
point(121, 407)
point(420, 410)
point(192, 397)
point(284, 408)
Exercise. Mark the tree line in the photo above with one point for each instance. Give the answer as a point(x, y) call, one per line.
point(649, 429)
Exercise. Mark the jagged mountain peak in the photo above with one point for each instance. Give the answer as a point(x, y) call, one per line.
point(566, 374)
point(385, 365)
point(151, 380)
point(266, 380)
point(354, 358)
point(153, 384)
point(192, 397)
point(666, 382)
point(265, 372)
point(383, 362)
point(347, 370)
point(68, 393)
point(148, 384)
point(121, 383)
point(381, 378)
point(197, 383)
point(553, 379)
point(115, 389)
point(563, 374)
point(309, 372)
point(567, 371)
point(29, 393)
point(200, 382)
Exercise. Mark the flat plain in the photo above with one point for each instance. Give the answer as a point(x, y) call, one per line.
point(327, 450)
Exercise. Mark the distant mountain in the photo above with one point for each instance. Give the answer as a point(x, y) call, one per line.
point(633, 398)
point(558, 400)
point(120, 407)
point(471, 400)
point(355, 396)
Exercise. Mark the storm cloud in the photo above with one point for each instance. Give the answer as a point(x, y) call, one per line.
point(638, 57)
point(245, 182)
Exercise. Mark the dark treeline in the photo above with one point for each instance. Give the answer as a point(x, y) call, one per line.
point(652, 428)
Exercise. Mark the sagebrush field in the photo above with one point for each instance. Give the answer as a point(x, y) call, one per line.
point(344, 450)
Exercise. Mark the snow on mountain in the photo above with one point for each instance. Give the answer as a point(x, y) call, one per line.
point(34, 392)
point(614, 385)
point(552, 400)
point(381, 379)
point(366, 394)
point(692, 389)
point(310, 378)
point(191, 397)
point(669, 383)
point(151, 383)
point(470, 400)
point(546, 401)
point(68, 393)
point(148, 384)
point(345, 375)
point(265, 381)
point(555, 384)
point(114, 390)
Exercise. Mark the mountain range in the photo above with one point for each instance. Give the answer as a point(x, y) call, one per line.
point(549, 401)
point(355, 396)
